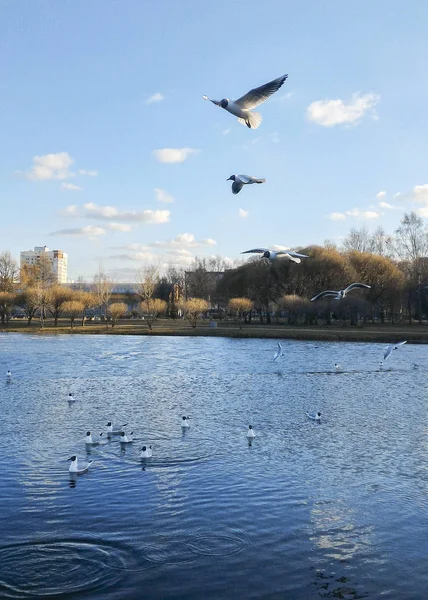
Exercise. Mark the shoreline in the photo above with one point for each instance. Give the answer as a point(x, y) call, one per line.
point(387, 333)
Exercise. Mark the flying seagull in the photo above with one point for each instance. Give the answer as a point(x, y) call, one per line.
point(241, 108)
point(340, 294)
point(389, 349)
point(278, 353)
point(273, 254)
point(240, 180)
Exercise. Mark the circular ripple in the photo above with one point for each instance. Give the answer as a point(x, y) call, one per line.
point(55, 568)
point(221, 544)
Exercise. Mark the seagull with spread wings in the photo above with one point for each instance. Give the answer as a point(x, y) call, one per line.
point(389, 349)
point(340, 294)
point(274, 254)
point(240, 180)
point(241, 108)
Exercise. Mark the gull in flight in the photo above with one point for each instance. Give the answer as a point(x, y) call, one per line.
point(78, 467)
point(270, 255)
point(278, 353)
point(240, 180)
point(241, 108)
point(340, 294)
point(389, 349)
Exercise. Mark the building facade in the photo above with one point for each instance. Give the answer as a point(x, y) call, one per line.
point(57, 258)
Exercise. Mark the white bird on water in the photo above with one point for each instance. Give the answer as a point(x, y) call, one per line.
point(9, 375)
point(146, 452)
point(185, 422)
point(271, 255)
point(389, 349)
point(337, 367)
point(340, 294)
point(241, 108)
point(314, 416)
point(91, 442)
point(278, 353)
point(71, 398)
point(78, 467)
point(240, 180)
point(126, 439)
point(115, 431)
point(250, 432)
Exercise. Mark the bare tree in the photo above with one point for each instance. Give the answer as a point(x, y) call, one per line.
point(9, 272)
point(192, 308)
point(357, 239)
point(7, 301)
point(151, 309)
point(103, 289)
point(116, 310)
point(147, 280)
point(241, 307)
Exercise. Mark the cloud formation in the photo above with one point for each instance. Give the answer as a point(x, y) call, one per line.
point(155, 98)
point(88, 231)
point(243, 213)
point(163, 196)
point(381, 195)
point(419, 194)
point(183, 240)
point(336, 112)
point(355, 213)
point(50, 166)
point(93, 211)
point(87, 173)
point(70, 187)
point(174, 155)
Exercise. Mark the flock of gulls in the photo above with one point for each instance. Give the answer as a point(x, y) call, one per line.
point(242, 109)
point(80, 467)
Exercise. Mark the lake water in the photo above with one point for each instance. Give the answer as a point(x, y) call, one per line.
point(337, 509)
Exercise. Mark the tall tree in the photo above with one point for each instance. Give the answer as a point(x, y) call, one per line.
point(9, 272)
point(103, 289)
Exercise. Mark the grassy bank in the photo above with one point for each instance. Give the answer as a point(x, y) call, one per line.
point(369, 333)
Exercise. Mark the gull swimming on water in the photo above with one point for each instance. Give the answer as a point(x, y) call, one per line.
point(115, 431)
point(340, 294)
point(314, 416)
point(278, 353)
point(184, 422)
point(9, 375)
point(78, 467)
point(146, 452)
point(241, 108)
point(337, 367)
point(71, 398)
point(240, 180)
point(270, 255)
point(250, 432)
point(389, 349)
point(124, 439)
point(91, 442)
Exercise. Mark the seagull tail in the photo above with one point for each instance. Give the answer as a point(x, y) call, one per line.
point(252, 120)
point(260, 180)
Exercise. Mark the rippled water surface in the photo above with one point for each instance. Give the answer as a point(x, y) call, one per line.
point(337, 509)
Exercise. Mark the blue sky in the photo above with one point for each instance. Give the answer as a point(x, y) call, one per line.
point(89, 91)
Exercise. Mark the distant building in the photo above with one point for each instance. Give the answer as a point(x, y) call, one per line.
point(57, 258)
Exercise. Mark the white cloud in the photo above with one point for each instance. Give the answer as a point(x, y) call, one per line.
point(226, 131)
point(163, 196)
point(119, 227)
point(285, 97)
point(155, 98)
point(243, 213)
point(397, 195)
point(355, 213)
point(50, 166)
point(137, 256)
point(174, 155)
point(385, 205)
point(336, 216)
point(93, 211)
point(88, 231)
point(183, 240)
point(381, 195)
point(420, 193)
point(335, 112)
point(70, 187)
point(87, 173)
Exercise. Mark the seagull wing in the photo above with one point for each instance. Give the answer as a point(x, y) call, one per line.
point(244, 178)
point(284, 254)
point(323, 294)
point(237, 186)
point(356, 285)
point(400, 344)
point(258, 95)
point(216, 102)
point(387, 352)
point(255, 250)
point(297, 254)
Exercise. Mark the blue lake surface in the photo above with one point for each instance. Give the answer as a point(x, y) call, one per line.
point(337, 509)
